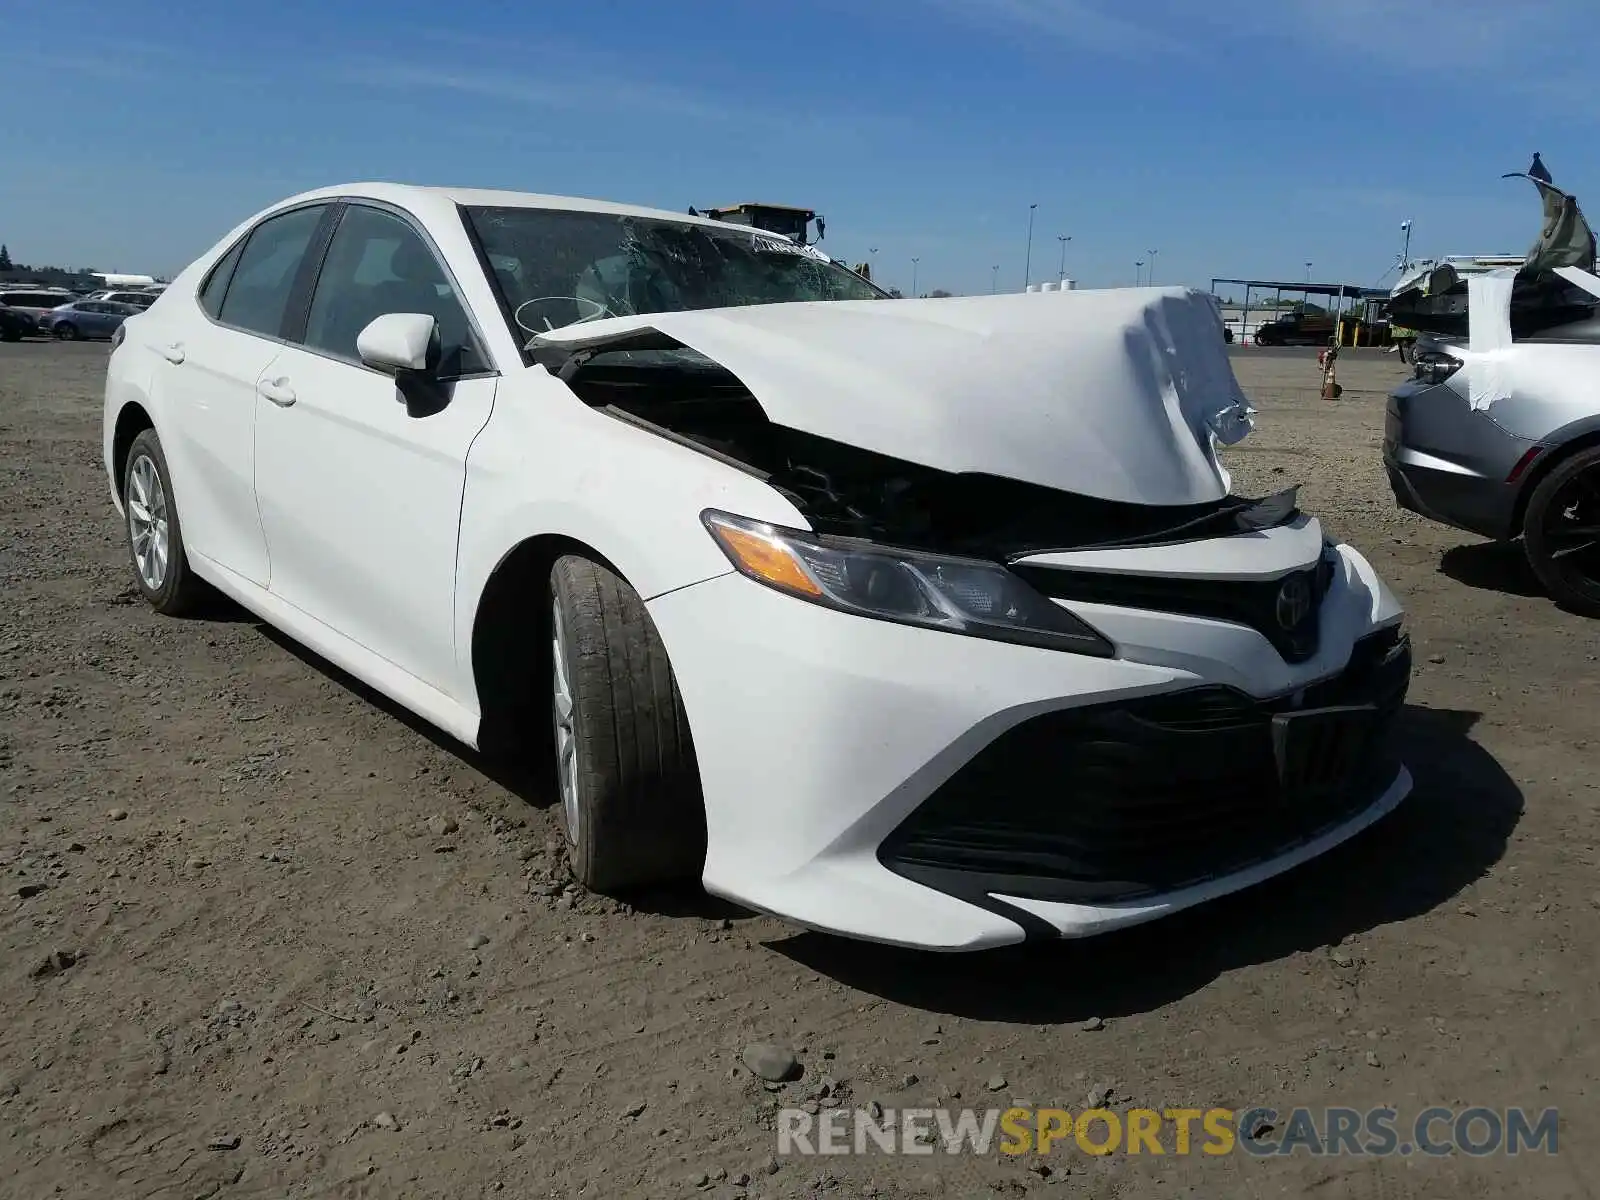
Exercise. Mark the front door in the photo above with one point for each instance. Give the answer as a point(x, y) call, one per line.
point(360, 487)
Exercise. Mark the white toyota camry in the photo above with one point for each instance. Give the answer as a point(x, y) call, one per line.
point(933, 622)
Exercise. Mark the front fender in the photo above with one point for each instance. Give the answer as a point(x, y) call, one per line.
point(634, 497)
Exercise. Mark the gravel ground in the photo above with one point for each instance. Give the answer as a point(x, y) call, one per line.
point(265, 935)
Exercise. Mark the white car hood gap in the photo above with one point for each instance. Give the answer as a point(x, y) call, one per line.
point(1121, 395)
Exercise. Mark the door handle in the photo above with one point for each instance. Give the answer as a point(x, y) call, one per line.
point(278, 391)
point(173, 352)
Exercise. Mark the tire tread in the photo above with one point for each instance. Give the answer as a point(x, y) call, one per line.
point(183, 592)
point(644, 822)
point(1572, 596)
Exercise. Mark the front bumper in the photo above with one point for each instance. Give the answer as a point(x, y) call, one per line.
point(928, 789)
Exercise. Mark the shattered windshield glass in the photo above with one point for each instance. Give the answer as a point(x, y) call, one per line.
point(558, 267)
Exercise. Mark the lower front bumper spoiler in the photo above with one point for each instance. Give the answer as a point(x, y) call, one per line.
point(1083, 920)
point(879, 900)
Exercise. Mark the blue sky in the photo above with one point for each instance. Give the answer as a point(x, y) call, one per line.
point(1235, 138)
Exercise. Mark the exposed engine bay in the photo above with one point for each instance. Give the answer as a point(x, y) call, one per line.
point(849, 492)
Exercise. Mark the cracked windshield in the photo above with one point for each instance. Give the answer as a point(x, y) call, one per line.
point(556, 268)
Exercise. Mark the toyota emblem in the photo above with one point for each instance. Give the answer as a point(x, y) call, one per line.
point(1294, 601)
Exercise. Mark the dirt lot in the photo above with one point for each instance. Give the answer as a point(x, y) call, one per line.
point(277, 913)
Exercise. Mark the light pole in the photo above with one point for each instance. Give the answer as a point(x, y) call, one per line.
point(874, 253)
point(1138, 264)
point(914, 263)
point(1308, 272)
point(1027, 262)
point(1063, 238)
point(1151, 279)
point(1405, 249)
point(994, 279)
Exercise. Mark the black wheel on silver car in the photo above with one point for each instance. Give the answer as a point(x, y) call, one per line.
point(1561, 532)
point(66, 331)
point(625, 764)
point(155, 539)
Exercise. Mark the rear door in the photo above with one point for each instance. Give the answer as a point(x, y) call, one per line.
point(94, 318)
point(215, 351)
point(360, 483)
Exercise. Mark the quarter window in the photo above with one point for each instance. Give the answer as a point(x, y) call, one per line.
point(258, 294)
point(378, 264)
point(216, 284)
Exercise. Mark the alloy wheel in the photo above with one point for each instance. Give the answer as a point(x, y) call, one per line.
point(564, 712)
point(1572, 528)
point(148, 528)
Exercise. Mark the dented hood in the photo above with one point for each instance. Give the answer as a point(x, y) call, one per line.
point(1120, 394)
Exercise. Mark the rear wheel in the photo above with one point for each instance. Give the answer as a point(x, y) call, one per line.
point(625, 764)
point(1561, 532)
point(155, 539)
point(67, 331)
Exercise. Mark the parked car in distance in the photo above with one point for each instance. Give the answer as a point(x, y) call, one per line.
point(139, 299)
point(80, 319)
point(695, 516)
point(1296, 329)
point(15, 324)
point(35, 302)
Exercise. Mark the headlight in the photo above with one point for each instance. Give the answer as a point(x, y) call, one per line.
point(1434, 366)
point(959, 595)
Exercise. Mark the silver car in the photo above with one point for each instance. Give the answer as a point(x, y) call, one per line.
point(1498, 430)
point(86, 319)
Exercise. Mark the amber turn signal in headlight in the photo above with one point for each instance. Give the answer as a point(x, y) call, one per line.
point(958, 595)
point(764, 558)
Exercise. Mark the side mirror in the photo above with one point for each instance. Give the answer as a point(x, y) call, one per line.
point(401, 344)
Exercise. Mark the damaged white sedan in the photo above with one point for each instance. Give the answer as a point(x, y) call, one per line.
point(931, 622)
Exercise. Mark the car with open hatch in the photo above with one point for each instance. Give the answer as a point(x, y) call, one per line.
point(1497, 431)
point(934, 623)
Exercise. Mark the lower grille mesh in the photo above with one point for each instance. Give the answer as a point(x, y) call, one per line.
point(1114, 802)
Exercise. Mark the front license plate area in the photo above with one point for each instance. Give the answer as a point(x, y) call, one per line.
point(1320, 750)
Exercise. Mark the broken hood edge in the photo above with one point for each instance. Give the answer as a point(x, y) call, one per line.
point(1123, 395)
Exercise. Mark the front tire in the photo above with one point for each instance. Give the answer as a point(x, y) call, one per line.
point(67, 331)
point(625, 763)
point(155, 538)
point(1561, 532)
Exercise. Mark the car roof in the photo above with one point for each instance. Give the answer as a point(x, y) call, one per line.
point(434, 202)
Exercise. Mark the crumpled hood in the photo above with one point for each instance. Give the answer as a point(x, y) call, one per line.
point(1119, 394)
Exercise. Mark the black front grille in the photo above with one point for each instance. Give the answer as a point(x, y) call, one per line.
point(1118, 801)
point(1258, 603)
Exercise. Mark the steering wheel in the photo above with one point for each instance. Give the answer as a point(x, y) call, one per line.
point(599, 311)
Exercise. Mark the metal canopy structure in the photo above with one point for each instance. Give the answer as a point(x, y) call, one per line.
point(1339, 293)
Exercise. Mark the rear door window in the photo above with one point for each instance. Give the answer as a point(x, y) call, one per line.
point(258, 294)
